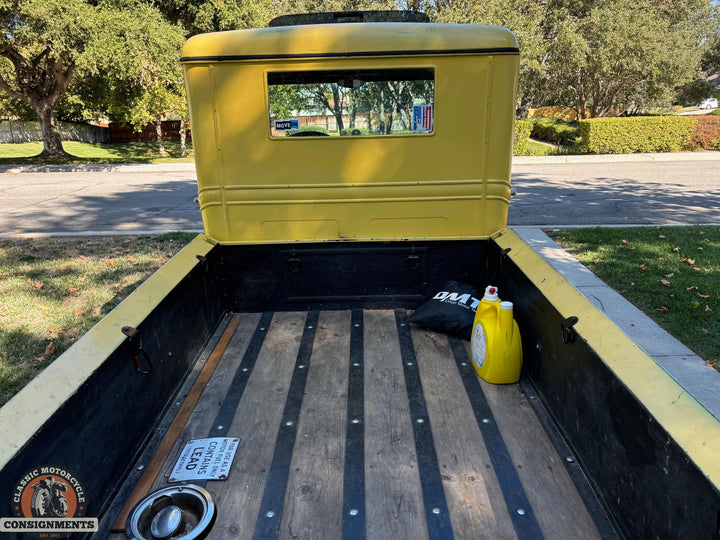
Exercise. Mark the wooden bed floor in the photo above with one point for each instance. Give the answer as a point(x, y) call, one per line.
point(356, 424)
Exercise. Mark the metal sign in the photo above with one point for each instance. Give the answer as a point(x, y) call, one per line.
point(205, 459)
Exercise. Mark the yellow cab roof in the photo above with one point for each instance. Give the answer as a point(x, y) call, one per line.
point(348, 39)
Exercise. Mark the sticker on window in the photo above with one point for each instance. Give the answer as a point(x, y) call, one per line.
point(422, 118)
point(286, 125)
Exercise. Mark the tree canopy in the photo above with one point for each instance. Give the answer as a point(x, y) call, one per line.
point(199, 16)
point(119, 58)
point(599, 56)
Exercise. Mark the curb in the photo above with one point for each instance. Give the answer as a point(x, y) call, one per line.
point(79, 234)
point(617, 158)
point(99, 167)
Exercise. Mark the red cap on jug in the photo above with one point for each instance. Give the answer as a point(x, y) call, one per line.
point(491, 294)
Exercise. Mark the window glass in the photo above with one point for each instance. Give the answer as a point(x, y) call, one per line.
point(351, 103)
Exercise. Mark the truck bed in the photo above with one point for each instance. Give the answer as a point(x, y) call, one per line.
point(358, 424)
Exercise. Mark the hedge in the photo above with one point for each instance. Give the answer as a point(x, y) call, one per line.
point(521, 136)
point(564, 113)
point(636, 134)
point(554, 130)
point(319, 129)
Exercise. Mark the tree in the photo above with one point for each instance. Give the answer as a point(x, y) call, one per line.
point(695, 91)
point(183, 111)
point(330, 96)
point(528, 21)
point(600, 56)
point(283, 7)
point(199, 16)
point(47, 44)
point(42, 57)
point(624, 57)
point(284, 100)
point(148, 86)
point(711, 60)
point(165, 96)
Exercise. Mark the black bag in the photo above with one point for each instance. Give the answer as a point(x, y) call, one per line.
point(451, 310)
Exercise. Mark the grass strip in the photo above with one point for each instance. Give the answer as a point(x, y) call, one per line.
point(53, 290)
point(670, 273)
point(535, 148)
point(138, 152)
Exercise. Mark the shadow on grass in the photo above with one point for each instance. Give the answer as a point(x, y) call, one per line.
point(17, 370)
point(81, 153)
point(29, 343)
point(24, 352)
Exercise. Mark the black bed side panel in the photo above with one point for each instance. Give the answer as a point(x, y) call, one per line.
point(642, 476)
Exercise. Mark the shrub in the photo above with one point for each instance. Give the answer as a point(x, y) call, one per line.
point(716, 112)
point(706, 134)
point(363, 131)
point(521, 135)
point(554, 130)
point(564, 113)
point(636, 134)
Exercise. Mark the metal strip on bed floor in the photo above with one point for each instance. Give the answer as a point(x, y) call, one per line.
point(268, 520)
point(242, 375)
point(436, 508)
point(517, 502)
point(353, 509)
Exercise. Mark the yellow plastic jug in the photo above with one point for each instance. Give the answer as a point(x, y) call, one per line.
point(495, 341)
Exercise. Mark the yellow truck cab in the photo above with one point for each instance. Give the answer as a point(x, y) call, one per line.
point(271, 381)
point(388, 144)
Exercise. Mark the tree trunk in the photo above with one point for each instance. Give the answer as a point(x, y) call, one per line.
point(52, 141)
point(183, 138)
point(338, 107)
point(158, 132)
point(353, 108)
point(41, 83)
point(381, 108)
point(523, 109)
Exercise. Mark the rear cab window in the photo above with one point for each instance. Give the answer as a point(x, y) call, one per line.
point(351, 103)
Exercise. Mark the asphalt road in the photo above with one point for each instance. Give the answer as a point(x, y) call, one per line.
point(619, 193)
point(547, 194)
point(125, 201)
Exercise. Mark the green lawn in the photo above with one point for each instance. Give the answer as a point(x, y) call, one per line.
point(670, 273)
point(139, 152)
point(53, 290)
point(535, 148)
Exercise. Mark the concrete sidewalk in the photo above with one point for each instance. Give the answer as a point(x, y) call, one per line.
point(617, 158)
